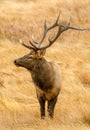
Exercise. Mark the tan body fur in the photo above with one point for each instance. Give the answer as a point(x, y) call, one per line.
point(56, 86)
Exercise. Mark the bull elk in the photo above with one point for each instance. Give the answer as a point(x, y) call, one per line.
point(45, 75)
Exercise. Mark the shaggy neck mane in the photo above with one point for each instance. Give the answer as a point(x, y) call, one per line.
point(42, 74)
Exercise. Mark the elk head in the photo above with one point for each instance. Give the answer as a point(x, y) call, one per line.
point(28, 61)
point(37, 51)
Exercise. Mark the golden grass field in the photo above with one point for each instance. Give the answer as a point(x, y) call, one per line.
point(19, 108)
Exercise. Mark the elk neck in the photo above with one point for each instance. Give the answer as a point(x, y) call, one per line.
point(42, 74)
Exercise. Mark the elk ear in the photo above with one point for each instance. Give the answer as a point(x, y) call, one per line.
point(40, 53)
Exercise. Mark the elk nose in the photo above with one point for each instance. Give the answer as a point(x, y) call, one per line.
point(15, 62)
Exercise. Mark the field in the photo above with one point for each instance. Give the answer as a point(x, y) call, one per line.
point(19, 108)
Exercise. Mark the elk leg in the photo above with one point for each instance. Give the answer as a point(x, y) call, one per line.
point(42, 107)
point(51, 106)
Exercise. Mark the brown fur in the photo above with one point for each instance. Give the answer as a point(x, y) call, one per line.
point(46, 76)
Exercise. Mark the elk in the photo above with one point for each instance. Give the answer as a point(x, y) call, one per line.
point(46, 75)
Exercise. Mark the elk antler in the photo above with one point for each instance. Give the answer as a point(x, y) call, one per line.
point(61, 29)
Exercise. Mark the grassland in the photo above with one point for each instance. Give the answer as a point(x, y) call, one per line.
point(19, 108)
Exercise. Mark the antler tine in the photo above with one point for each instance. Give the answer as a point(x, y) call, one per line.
point(33, 39)
point(44, 33)
point(54, 24)
point(43, 36)
point(29, 47)
point(80, 29)
point(35, 47)
point(69, 20)
point(75, 28)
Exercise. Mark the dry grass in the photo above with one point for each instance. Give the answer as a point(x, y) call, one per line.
point(19, 108)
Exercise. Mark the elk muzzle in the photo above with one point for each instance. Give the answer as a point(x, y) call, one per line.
point(16, 63)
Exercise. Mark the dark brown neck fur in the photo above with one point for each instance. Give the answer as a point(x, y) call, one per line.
point(42, 74)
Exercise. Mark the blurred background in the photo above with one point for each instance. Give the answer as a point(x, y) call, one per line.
point(19, 108)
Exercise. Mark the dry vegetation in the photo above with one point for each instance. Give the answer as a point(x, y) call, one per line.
point(19, 109)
